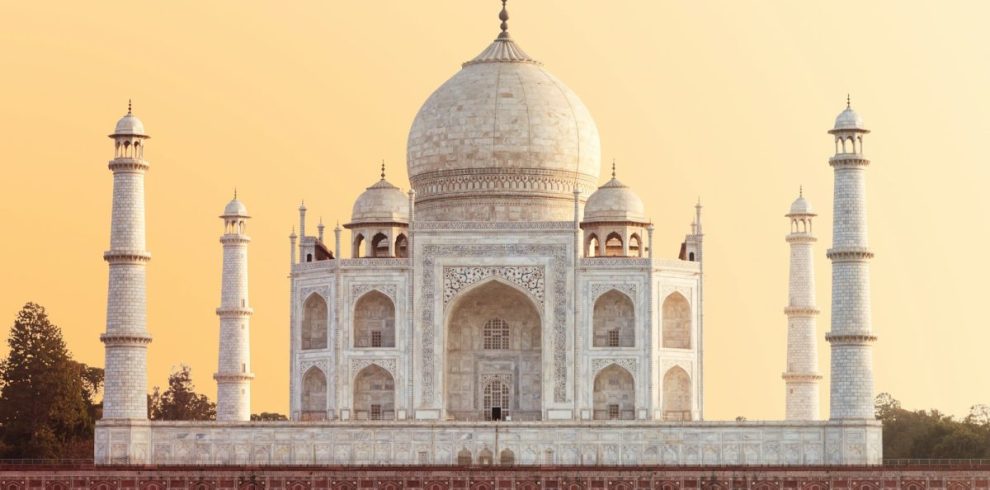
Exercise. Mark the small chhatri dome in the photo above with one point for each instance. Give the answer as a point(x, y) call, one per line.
point(614, 201)
point(381, 203)
point(801, 206)
point(235, 208)
point(129, 125)
point(848, 119)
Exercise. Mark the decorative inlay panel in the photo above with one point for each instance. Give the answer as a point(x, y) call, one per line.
point(322, 364)
point(358, 364)
point(629, 364)
point(528, 277)
point(600, 288)
point(559, 258)
point(358, 290)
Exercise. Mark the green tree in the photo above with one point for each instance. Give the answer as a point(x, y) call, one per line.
point(180, 401)
point(46, 409)
point(921, 434)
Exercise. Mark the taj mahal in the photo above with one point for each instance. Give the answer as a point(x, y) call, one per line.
point(506, 309)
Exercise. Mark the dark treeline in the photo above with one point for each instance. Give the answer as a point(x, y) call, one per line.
point(48, 405)
point(48, 401)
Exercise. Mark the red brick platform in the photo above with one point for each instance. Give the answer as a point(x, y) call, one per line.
point(916, 477)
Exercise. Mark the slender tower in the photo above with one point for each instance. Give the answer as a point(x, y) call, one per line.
point(126, 338)
point(801, 377)
point(851, 335)
point(234, 367)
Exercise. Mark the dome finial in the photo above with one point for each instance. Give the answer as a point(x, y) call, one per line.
point(848, 101)
point(504, 17)
point(613, 168)
point(128, 107)
point(235, 193)
point(800, 191)
point(383, 169)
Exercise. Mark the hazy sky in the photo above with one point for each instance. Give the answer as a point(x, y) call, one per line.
point(725, 100)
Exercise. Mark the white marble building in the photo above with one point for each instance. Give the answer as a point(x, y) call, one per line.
point(506, 309)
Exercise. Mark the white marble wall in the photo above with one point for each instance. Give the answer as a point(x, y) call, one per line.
point(623, 443)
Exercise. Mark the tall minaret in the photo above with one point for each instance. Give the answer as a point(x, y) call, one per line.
point(851, 336)
point(126, 339)
point(234, 367)
point(801, 377)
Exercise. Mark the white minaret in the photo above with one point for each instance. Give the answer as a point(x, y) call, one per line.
point(234, 367)
point(851, 336)
point(801, 377)
point(126, 339)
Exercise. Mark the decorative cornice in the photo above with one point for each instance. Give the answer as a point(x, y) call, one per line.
point(126, 256)
point(370, 262)
point(849, 254)
point(234, 239)
point(128, 165)
point(801, 377)
point(109, 339)
point(801, 311)
point(493, 225)
point(850, 160)
point(235, 311)
point(850, 338)
point(609, 262)
point(800, 238)
point(233, 377)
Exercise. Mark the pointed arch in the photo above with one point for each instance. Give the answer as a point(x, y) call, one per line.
point(374, 321)
point(464, 457)
point(613, 245)
point(314, 323)
point(402, 246)
point(676, 326)
point(507, 457)
point(614, 394)
point(635, 245)
point(374, 394)
point(380, 245)
point(592, 246)
point(356, 245)
point(614, 320)
point(485, 457)
point(314, 394)
point(676, 394)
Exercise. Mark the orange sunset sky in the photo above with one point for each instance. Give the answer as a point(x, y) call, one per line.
point(294, 100)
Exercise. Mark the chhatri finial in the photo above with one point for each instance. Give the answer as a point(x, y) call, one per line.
point(128, 107)
point(848, 101)
point(801, 191)
point(383, 169)
point(613, 168)
point(235, 193)
point(504, 17)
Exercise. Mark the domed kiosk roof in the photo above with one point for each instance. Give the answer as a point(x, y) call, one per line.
point(380, 203)
point(848, 119)
point(235, 208)
point(129, 125)
point(502, 140)
point(614, 202)
point(801, 206)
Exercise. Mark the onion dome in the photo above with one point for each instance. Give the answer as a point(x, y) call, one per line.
point(614, 202)
point(381, 203)
point(502, 140)
point(235, 208)
point(801, 207)
point(129, 125)
point(849, 120)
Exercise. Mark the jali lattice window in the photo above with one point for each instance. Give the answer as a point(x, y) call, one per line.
point(496, 396)
point(613, 338)
point(496, 334)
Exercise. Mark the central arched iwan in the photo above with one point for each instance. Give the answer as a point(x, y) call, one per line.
point(511, 354)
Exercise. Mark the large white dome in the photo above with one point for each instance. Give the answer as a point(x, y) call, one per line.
point(503, 140)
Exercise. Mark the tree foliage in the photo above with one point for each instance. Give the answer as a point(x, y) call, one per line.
point(268, 417)
point(46, 398)
point(930, 434)
point(180, 401)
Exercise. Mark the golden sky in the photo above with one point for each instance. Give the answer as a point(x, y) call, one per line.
point(301, 99)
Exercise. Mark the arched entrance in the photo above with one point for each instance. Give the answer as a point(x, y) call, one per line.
point(374, 394)
point(614, 394)
point(493, 355)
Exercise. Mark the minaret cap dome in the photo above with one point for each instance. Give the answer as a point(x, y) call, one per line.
point(615, 202)
point(129, 125)
point(849, 119)
point(235, 208)
point(801, 206)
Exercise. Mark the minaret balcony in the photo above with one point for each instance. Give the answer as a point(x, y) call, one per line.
point(849, 254)
point(848, 160)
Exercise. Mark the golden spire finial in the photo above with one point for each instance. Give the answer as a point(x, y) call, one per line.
point(504, 17)
point(848, 101)
point(383, 169)
point(613, 168)
point(128, 107)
